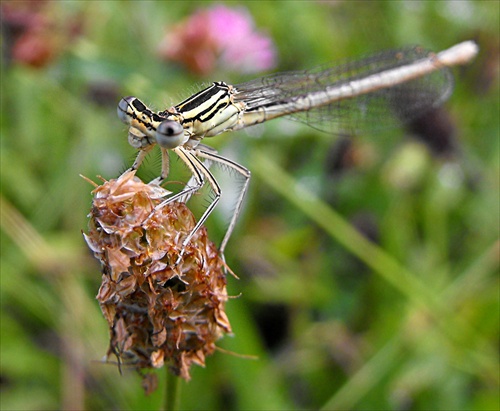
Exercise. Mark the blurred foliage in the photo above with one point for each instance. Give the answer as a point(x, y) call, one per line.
point(368, 269)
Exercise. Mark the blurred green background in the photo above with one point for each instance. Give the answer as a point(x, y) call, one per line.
point(368, 265)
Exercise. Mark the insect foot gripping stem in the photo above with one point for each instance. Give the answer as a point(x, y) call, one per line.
point(164, 302)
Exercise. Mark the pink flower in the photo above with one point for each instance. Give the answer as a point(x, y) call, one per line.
point(219, 37)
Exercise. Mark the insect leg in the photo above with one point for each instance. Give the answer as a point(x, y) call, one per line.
point(213, 156)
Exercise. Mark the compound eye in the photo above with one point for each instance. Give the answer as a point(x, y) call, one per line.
point(124, 108)
point(169, 134)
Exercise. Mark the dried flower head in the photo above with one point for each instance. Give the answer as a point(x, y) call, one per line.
point(159, 312)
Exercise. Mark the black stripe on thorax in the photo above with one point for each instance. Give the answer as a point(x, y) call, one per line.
point(202, 96)
point(213, 113)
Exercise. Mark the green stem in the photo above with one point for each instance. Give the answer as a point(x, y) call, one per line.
point(172, 390)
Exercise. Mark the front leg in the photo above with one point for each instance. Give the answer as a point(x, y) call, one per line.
point(165, 168)
point(140, 158)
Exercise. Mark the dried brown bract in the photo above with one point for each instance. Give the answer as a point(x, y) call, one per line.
point(158, 312)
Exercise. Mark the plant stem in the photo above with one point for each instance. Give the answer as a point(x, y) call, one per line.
point(172, 387)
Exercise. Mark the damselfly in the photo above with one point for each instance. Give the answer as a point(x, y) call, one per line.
point(374, 92)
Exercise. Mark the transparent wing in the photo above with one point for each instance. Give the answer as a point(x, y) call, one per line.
point(381, 108)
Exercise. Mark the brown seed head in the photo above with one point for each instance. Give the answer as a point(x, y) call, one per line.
point(158, 312)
